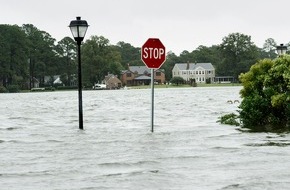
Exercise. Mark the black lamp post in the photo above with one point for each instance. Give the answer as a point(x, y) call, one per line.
point(78, 29)
point(281, 50)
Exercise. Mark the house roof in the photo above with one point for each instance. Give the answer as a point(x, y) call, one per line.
point(125, 71)
point(142, 69)
point(139, 69)
point(193, 66)
point(111, 77)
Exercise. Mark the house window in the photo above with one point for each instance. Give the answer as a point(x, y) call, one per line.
point(203, 72)
point(200, 72)
point(128, 75)
point(158, 73)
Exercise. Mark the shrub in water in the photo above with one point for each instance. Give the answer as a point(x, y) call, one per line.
point(229, 119)
point(266, 95)
point(13, 88)
point(3, 89)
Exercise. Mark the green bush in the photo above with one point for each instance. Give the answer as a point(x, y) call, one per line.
point(13, 88)
point(266, 95)
point(3, 89)
point(177, 80)
point(229, 119)
point(66, 87)
point(50, 88)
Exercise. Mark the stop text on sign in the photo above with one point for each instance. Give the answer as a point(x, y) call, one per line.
point(153, 53)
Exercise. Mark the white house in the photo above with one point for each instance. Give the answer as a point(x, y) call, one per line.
point(198, 71)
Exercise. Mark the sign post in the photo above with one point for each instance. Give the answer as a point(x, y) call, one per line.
point(153, 55)
point(152, 100)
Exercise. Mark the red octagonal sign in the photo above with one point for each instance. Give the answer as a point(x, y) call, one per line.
point(153, 53)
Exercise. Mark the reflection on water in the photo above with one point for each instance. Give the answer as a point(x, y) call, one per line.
point(42, 148)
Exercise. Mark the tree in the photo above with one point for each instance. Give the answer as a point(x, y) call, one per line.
point(171, 60)
point(238, 54)
point(42, 56)
point(205, 54)
point(269, 49)
point(266, 95)
point(13, 56)
point(98, 56)
point(185, 56)
point(177, 80)
point(66, 50)
point(129, 54)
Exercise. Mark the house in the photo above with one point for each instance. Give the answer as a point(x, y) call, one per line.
point(141, 75)
point(112, 82)
point(201, 72)
point(33, 83)
point(56, 80)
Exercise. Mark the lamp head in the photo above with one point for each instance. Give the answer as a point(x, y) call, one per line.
point(78, 29)
point(281, 50)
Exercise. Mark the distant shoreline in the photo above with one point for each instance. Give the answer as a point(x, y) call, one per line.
point(186, 86)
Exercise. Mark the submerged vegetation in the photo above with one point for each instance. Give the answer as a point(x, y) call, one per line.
point(229, 119)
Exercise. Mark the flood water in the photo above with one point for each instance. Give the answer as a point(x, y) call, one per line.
point(41, 146)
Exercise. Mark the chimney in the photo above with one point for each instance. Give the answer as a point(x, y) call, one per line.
point(187, 66)
point(128, 67)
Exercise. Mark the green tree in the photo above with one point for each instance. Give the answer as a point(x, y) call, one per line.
point(269, 49)
point(66, 50)
point(185, 56)
point(238, 54)
point(13, 57)
point(98, 57)
point(177, 80)
point(42, 56)
point(171, 60)
point(129, 54)
point(205, 54)
point(266, 95)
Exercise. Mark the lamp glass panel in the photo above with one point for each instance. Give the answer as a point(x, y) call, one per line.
point(82, 31)
point(74, 31)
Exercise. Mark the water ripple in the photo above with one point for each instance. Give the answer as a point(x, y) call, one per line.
point(42, 147)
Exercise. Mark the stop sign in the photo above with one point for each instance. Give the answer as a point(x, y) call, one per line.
point(153, 53)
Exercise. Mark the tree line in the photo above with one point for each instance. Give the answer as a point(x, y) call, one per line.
point(28, 53)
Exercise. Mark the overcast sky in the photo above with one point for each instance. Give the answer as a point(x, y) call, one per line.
point(179, 24)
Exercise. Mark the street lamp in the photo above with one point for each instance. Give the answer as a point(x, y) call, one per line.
point(78, 29)
point(281, 50)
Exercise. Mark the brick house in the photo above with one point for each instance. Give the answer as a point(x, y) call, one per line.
point(141, 75)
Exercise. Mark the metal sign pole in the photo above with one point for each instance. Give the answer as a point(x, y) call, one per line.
point(152, 100)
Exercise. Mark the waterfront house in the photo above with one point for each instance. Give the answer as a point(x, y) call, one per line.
point(141, 75)
point(201, 72)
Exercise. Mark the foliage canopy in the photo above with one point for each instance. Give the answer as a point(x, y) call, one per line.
point(266, 95)
point(177, 80)
point(29, 54)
